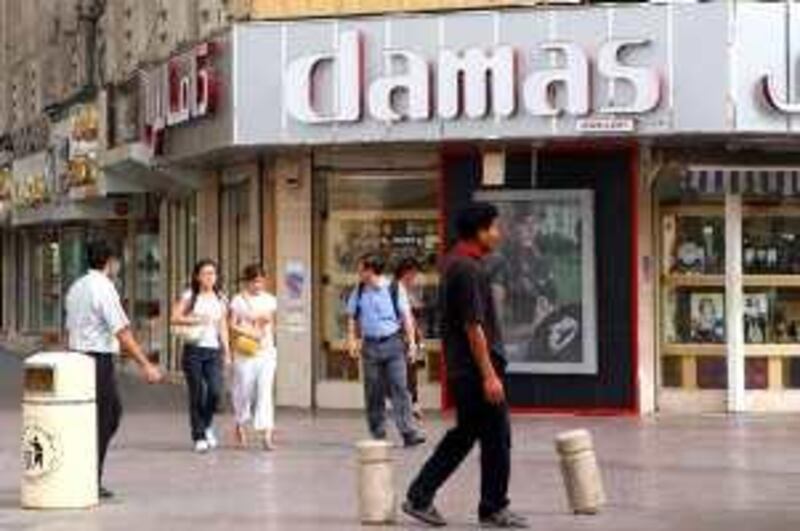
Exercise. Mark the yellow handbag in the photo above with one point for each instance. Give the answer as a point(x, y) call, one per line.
point(246, 346)
point(243, 344)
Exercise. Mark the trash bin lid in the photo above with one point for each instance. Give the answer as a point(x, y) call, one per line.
point(58, 377)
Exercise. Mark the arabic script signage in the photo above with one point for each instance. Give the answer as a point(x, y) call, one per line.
point(183, 89)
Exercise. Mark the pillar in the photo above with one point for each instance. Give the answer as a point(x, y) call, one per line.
point(734, 302)
point(293, 238)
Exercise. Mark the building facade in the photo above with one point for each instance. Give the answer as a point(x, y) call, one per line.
point(648, 188)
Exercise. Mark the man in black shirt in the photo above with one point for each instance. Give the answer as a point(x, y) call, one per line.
point(475, 371)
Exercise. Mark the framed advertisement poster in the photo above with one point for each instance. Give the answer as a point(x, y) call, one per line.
point(543, 279)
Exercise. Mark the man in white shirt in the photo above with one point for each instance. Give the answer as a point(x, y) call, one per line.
point(97, 326)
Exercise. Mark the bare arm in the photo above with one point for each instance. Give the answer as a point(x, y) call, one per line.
point(131, 347)
point(237, 326)
point(224, 335)
point(353, 347)
point(480, 350)
point(410, 329)
point(178, 314)
point(479, 347)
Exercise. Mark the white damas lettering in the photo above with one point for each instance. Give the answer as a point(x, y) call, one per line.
point(474, 83)
point(299, 86)
point(645, 81)
point(469, 74)
point(415, 84)
point(541, 87)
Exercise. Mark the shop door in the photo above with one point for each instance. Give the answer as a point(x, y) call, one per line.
point(394, 214)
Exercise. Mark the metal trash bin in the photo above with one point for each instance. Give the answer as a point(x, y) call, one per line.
point(59, 432)
point(376, 500)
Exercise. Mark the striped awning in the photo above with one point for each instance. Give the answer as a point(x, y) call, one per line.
point(751, 180)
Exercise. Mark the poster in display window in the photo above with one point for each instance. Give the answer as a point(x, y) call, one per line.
point(543, 279)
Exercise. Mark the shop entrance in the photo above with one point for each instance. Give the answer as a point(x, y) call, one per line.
point(363, 204)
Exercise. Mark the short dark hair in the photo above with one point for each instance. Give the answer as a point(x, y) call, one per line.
point(409, 263)
point(252, 272)
point(475, 218)
point(98, 253)
point(374, 262)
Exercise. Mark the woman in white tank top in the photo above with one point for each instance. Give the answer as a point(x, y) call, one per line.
point(201, 312)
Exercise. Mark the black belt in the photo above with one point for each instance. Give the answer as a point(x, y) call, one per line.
point(383, 339)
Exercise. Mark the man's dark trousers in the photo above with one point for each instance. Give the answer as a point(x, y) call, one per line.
point(476, 420)
point(109, 406)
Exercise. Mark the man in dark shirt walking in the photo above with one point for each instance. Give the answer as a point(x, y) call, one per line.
point(475, 372)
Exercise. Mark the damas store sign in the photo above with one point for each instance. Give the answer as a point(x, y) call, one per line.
point(473, 83)
point(502, 74)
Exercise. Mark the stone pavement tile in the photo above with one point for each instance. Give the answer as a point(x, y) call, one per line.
point(712, 473)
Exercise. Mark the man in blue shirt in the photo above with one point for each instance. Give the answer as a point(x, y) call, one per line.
point(380, 331)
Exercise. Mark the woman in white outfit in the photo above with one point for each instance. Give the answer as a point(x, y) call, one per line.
point(252, 315)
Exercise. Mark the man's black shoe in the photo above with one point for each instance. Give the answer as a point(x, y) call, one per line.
point(504, 519)
point(413, 439)
point(428, 515)
point(105, 494)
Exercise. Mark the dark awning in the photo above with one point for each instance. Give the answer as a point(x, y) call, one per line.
point(750, 180)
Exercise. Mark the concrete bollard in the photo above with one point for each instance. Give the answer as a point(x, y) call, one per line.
point(580, 471)
point(376, 500)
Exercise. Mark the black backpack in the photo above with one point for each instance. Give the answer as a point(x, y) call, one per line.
point(394, 294)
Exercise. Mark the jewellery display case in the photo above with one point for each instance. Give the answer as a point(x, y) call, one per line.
point(693, 336)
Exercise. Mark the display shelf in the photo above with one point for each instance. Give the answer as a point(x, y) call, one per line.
point(694, 280)
point(772, 211)
point(693, 210)
point(752, 350)
point(772, 349)
point(772, 281)
point(693, 349)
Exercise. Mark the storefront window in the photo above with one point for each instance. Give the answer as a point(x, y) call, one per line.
point(50, 260)
point(238, 231)
point(73, 256)
point(182, 243)
point(392, 214)
point(147, 291)
point(771, 245)
point(45, 296)
point(694, 266)
point(693, 252)
point(695, 348)
point(771, 267)
point(694, 245)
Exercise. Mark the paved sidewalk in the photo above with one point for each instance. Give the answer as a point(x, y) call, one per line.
point(701, 473)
